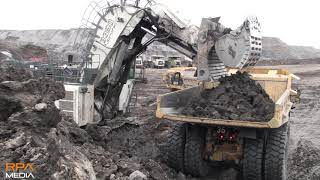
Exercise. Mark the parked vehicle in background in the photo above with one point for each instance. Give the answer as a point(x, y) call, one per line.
point(139, 62)
point(139, 72)
point(158, 61)
point(173, 61)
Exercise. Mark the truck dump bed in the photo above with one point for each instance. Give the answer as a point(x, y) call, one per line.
point(276, 82)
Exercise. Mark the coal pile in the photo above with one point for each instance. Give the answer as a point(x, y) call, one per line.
point(238, 97)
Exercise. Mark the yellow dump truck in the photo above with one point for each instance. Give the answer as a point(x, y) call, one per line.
point(180, 78)
point(259, 148)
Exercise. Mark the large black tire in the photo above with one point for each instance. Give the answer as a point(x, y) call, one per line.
point(175, 147)
point(275, 166)
point(253, 159)
point(193, 153)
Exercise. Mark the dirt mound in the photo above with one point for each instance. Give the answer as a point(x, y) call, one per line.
point(59, 149)
point(34, 131)
point(304, 162)
point(10, 73)
point(237, 97)
point(41, 138)
point(15, 95)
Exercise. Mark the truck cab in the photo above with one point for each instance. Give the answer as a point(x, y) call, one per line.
point(158, 61)
point(173, 61)
point(139, 62)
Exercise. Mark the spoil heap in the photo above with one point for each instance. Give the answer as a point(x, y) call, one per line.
point(33, 131)
point(10, 73)
point(238, 97)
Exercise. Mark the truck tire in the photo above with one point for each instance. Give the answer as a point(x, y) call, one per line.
point(175, 147)
point(252, 159)
point(275, 166)
point(194, 148)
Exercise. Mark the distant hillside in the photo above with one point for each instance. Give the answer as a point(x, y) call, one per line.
point(275, 49)
point(59, 43)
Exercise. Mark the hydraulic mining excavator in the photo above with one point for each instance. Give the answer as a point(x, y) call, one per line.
point(114, 34)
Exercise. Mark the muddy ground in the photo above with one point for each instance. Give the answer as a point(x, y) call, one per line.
point(304, 149)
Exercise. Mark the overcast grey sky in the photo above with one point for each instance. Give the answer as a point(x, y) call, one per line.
point(294, 21)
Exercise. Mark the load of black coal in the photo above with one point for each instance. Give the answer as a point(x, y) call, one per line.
point(238, 97)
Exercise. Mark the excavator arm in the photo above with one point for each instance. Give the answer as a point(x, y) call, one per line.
point(119, 35)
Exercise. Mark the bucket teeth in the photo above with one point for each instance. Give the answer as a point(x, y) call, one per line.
point(255, 42)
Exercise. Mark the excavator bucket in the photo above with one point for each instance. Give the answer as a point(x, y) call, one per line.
point(219, 47)
point(242, 47)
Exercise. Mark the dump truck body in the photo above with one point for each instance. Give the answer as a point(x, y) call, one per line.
point(277, 83)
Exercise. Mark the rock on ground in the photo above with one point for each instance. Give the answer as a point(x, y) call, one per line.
point(137, 175)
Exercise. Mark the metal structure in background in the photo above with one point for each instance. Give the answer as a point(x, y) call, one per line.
point(57, 72)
